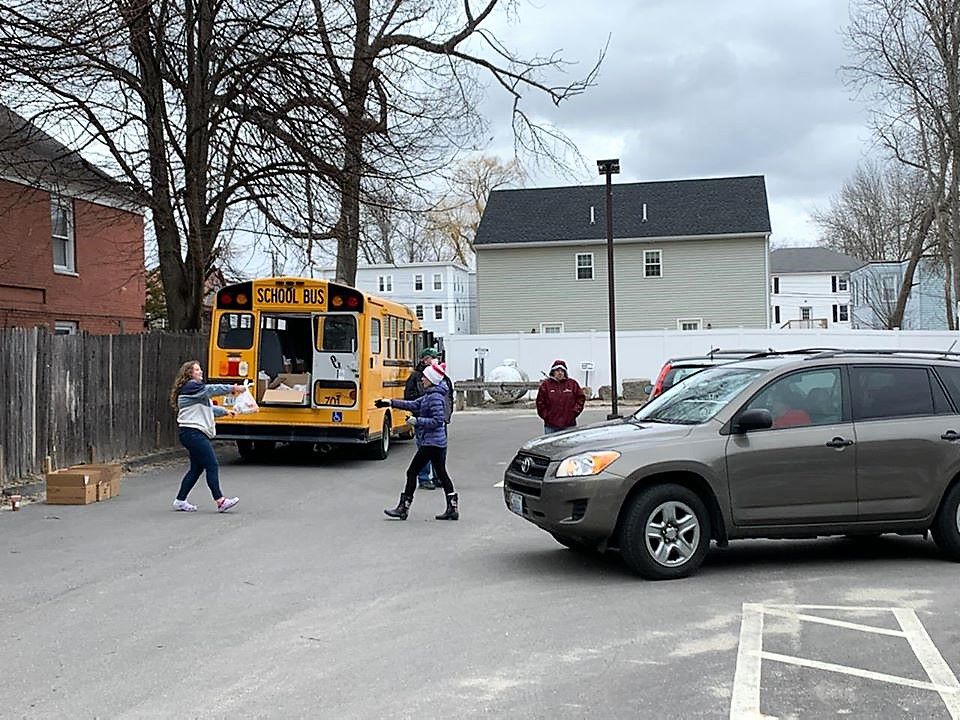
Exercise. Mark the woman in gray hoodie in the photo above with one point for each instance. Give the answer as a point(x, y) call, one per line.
point(195, 416)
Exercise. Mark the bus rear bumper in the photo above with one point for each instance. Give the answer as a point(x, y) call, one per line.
point(285, 433)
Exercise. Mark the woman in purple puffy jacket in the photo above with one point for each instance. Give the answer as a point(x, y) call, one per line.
point(430, 427)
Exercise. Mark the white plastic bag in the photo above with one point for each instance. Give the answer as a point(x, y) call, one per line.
point(245, 403)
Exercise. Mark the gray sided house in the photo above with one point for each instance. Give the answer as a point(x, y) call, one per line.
point(689, 254)
point(874, 288)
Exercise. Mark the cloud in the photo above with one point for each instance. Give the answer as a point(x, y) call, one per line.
point(702, 89)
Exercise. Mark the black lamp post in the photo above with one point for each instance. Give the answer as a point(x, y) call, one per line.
point(608, 168)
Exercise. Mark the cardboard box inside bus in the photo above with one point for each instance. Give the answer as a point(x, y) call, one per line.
point(282, 396)
point(286, 389)
point(291, 380)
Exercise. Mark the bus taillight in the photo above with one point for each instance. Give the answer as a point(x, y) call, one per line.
point(236, 297)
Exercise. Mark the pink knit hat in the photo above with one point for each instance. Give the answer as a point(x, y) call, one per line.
point(435, 372)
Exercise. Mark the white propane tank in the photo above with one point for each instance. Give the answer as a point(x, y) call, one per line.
point(507, 372)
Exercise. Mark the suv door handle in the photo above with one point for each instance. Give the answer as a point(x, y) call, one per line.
point(951, 435)
point(839, 442)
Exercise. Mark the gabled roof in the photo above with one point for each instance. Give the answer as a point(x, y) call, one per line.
point(674, 208)
point(810, 260)
point(30, 156)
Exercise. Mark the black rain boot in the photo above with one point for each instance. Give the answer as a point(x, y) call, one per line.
point(400, 511)
point(453, 508)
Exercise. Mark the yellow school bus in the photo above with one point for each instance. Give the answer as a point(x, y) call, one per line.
point(318, 355)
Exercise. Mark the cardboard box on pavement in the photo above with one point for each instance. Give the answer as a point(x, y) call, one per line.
point(103, 490)
point(111, 472)
point(72, 487)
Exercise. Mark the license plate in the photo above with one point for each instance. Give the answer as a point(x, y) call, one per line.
point(515, 503)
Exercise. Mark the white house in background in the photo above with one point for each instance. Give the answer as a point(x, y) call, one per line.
point(810, 288)
point(438, 292)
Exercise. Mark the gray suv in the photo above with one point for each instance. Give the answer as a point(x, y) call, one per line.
point(780, 445)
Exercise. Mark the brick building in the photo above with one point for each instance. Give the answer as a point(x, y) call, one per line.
point(71, 239)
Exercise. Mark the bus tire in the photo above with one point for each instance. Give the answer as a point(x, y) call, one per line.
point(251, 450)
point(245, 448)
point(380, 448)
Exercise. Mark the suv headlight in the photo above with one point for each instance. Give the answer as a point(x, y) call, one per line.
point(588, 463)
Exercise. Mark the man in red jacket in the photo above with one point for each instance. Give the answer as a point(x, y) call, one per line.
point(559, 400)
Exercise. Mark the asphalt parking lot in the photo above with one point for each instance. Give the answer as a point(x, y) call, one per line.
point(306, 602)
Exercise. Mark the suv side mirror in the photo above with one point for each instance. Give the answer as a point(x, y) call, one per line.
point(755, 419)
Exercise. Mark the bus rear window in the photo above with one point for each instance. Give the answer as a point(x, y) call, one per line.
point(235, 331)
point(338, 333)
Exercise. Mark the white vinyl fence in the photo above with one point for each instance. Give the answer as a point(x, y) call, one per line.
point(640, 354)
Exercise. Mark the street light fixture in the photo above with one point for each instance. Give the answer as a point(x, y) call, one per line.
point(608, 168)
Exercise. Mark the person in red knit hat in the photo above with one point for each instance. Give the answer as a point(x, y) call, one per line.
point(560, 399)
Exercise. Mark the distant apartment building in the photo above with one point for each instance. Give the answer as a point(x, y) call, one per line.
point(810, 288)
point(440, 293)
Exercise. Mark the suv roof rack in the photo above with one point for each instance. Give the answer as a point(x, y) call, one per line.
point(797, 351)
point(944, 354)
point(717, 353)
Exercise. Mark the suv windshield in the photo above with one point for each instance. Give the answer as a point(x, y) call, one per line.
point(699, 397)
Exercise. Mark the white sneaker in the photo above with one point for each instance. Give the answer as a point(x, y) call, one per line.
point(227, 503)
point(184, 506)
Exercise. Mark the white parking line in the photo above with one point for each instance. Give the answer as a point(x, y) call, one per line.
point(745, 704)
point(779, 612)
point(745, 700)
point(856, 672)
point(931, 659)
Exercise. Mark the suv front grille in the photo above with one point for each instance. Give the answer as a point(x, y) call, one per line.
point(531, 487)
point(529, 465)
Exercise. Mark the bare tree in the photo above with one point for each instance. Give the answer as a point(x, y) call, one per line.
point(869, 218)
point(404, 76)
point(907, 55)
point(453, 223)
point(882, 214)
point(174, 93)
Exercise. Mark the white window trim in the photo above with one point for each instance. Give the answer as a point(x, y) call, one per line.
point(844, 280)
point(66, 327)
point(71, 254)
point(433, 281)
point(682, 321)
point(809, 309)
point(385, 283)
point(545, 325)
point(660, 263)
point(439, 307)
point(576, 266)
point(418, 311)
point(840, 310)
point(422, 283)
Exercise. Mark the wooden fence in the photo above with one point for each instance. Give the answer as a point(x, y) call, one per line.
point(76, 397)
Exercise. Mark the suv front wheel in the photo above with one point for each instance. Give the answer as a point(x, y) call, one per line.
point(946, 528)
point(666, 533)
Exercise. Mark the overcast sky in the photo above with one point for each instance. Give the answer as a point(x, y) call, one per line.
point(702, 88)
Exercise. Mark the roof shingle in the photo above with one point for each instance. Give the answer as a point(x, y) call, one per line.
point(674, 208)
point(810, 259)
point(32, 157)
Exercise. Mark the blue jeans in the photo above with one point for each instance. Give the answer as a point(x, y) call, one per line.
point(202, 458)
